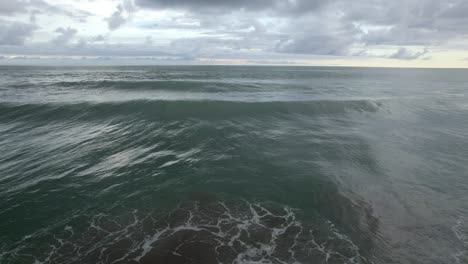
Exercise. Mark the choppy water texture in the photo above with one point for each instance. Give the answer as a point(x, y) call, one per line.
point(201, 164)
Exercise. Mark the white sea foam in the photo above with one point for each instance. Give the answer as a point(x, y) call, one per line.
point(459, 230)
point(234, 233)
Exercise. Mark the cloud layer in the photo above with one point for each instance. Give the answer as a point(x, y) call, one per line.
point(15, 33)
point(244, 29)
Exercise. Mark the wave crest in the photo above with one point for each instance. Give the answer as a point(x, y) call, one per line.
point(166, 109)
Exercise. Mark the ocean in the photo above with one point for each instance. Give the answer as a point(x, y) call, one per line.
point(233, 164)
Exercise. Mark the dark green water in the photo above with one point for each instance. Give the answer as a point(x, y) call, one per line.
point(233, 165)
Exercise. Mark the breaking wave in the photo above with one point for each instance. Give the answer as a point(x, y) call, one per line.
point(195, 232)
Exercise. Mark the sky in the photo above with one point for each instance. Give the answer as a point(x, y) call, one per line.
point(369, 33)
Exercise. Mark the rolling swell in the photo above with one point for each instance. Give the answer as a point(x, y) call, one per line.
point(155, 85)
point(159, 109)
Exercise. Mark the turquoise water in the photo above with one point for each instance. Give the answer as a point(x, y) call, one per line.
point(219, 164)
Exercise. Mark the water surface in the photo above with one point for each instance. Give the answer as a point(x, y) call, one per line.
point(219, 164)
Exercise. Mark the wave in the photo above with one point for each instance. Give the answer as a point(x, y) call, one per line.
point(166, 109)
point(461, 233)
point(154, 85)
point(195, 232)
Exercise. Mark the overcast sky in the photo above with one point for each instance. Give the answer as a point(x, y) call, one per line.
point(399, 33)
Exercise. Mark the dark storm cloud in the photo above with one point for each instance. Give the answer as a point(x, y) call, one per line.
point(15, 33)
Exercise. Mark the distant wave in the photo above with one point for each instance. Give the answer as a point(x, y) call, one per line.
point(162, 109)
point(155, 85)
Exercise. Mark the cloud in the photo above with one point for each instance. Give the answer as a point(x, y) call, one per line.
point(411, 22)
point(65, 35)
point(303, 26)
point(83, 42)
point(32, 16)
point(8, 7)
point(90, 49)
point(15, 33)
point(293, 27)
point(148, 41)
point(216, 47)
point(405, 54)
point(14, 7)
point(227, 6)
point(227, 29)
point(116, 19)
point(314, 44)
point(121, 15)
point(399, 35)
point(318, 37)
point(273, 62)
point(99, 38)
point(129, 6)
